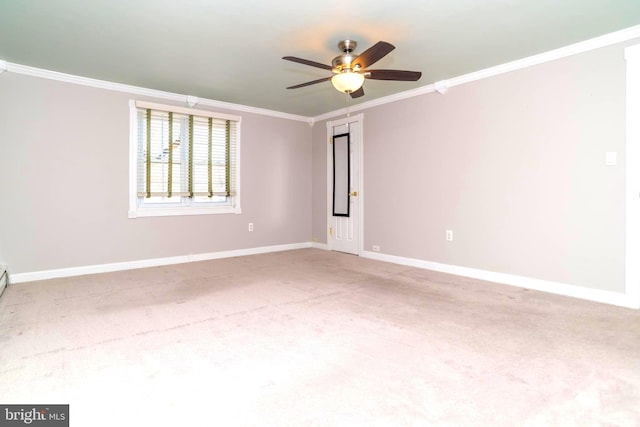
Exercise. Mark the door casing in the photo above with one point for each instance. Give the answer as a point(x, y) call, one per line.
point(358, 118)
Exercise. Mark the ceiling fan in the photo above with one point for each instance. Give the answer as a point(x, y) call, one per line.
point(350, 70)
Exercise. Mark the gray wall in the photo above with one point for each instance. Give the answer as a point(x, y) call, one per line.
point(64, 162)
point(513, 164)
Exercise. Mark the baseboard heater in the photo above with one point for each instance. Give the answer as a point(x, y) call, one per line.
point(3, 278)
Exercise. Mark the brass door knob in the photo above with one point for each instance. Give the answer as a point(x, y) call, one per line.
point(354, 193)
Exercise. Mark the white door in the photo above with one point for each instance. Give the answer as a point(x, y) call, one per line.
point(345, 137)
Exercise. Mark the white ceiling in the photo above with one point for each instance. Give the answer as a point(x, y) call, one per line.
point(231, 51)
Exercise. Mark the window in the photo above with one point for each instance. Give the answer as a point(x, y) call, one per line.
point(183, 161)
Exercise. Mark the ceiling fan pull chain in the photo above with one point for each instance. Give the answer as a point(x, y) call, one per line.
point(348, 99)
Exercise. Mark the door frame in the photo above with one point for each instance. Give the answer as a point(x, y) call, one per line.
point(359, 118)
point(632, 182)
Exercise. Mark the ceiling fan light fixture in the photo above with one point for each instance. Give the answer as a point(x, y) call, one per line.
point(347, 81)
point(350, 70)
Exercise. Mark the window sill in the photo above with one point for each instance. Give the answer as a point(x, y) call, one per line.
point(179, 211)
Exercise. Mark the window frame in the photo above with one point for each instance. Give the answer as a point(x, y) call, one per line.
point(137, 209)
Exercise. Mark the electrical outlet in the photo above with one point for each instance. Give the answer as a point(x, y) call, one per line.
point(376, 248)
point(250, 226)
point(449, 235)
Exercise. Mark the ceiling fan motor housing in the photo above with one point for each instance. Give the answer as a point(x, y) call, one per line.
point(343, 62)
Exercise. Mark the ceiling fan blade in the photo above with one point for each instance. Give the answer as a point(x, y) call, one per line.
point(358, 93)
point(401, 75)
point(373, 54)
point(324, 79)
point(307, 62)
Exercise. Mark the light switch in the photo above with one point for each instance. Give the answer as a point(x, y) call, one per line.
point(611, 159)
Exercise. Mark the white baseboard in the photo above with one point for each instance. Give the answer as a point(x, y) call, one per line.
point(607, 297)
point(597, 295)
point(322, 246)
point(130, 265)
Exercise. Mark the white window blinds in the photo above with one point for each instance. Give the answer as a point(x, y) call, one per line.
point(186, 155)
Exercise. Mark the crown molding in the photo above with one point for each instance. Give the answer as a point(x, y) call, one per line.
point(136, 90)
point(564, 52)
point(552, 55)
point(375, 102)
